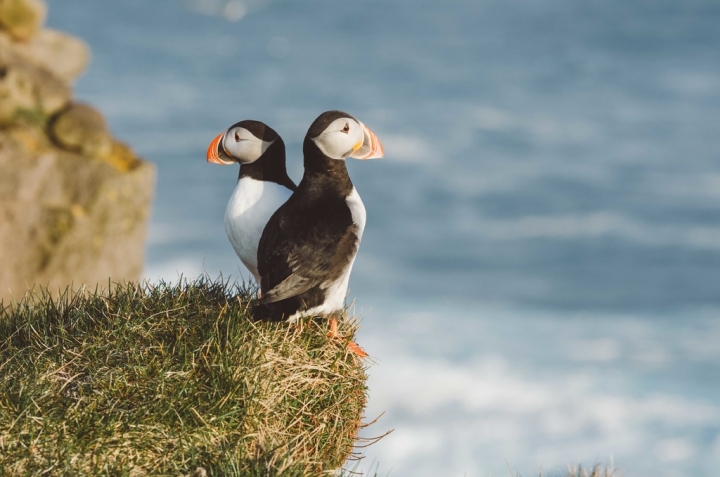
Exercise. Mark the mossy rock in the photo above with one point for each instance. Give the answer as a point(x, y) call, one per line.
point(82, 129)
point(22, 19)
point(27, 90)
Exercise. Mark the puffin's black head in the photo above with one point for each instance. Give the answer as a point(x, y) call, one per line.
point(339, 135)
point(244, 142)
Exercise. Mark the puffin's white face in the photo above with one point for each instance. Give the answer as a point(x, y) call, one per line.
point(347, 137)
point(243, 146)
point(237, 145)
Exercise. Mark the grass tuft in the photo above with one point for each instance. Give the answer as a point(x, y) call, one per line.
point(172, 380)
point(596, 471)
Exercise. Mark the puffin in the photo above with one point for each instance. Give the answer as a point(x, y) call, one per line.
point(262, 187)
point(308, 247)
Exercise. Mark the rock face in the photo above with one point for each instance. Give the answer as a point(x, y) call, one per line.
point(74, 201)
point(63, 55)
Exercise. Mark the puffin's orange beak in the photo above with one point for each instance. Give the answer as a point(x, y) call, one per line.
point(371, 147)
point(213, 152)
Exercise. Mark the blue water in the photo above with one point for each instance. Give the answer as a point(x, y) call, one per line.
point(539, 277)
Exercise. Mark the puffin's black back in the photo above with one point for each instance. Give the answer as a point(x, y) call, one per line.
point(312, 236)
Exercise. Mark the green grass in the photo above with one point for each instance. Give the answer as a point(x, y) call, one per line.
point(163, 379)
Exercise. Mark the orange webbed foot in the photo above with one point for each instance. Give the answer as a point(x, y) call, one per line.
point(352, 346)
point(355, 348)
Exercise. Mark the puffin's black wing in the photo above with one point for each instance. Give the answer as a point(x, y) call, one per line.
point(301, 249)
point(292, 286)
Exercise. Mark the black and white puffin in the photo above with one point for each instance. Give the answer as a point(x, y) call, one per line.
point(308, 247)
point(262, 187)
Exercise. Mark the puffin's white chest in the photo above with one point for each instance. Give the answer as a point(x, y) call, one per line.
point(248, 211)
point(357, 209)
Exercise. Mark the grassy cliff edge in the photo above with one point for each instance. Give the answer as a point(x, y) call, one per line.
point(163, 379)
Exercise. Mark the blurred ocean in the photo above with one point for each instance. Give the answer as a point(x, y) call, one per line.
point(539, 277)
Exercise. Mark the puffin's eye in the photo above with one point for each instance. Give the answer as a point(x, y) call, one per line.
point(346, 129)
point(237, 136)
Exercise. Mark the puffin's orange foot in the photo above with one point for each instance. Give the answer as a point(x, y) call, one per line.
point(333, 333)
point(352, 346)
point(355, 348)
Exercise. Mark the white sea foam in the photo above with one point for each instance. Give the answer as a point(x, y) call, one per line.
point(469, 415)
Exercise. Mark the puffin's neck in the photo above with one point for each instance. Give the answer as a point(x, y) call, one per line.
point(324, 171)
point(269, 167)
